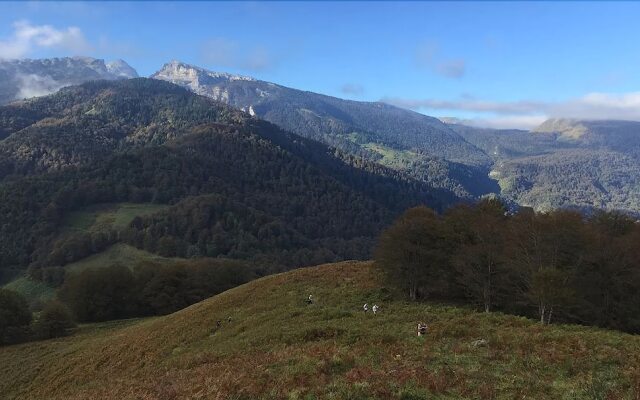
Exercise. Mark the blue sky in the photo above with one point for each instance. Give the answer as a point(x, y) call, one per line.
point(495, 64)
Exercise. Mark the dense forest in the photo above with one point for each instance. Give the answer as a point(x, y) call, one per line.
point(228, 172)
point(585, 179)
point(586, 165)
point(116, 292)
point(557, 266)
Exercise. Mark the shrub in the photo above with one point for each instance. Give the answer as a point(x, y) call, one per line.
point(55, 320)
point(100, 294)
point(15, 317)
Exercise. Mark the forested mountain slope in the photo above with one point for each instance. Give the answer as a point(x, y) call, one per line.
point(238, 183)
point(576, 163)
point(422, 146)
point(565, 163)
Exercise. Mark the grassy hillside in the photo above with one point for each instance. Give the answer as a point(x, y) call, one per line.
point(276, 346)
point(118, 254)
point(108, 216)
point(93, 219)
point(32, 290)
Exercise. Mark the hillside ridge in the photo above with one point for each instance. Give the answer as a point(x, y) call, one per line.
point(277, 346)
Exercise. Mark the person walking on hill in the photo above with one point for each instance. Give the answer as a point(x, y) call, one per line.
point(365, 307)
point(310, 299)
point(422, 329)
point(375, 309)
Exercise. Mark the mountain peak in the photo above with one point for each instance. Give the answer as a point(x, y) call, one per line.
point(121, 69)
point(25, 78)
point(180, 72)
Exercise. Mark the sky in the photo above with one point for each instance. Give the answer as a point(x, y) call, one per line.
point(495, 64)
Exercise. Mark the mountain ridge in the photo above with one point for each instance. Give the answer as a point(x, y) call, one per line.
point(401, 139)
point(25, 78)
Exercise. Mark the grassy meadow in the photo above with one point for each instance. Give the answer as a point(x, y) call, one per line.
point(277, 347)
point(105, 216)
point(118, 254)
point(94, 219)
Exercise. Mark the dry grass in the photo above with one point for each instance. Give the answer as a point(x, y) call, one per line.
point(278, 347)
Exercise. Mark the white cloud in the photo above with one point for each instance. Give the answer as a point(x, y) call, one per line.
point(226, 53)
point(27, 38)
point(467, 104)
point(427, 55)
point(600, 106)
point(451, 68)
point(36, 85)
point(527, 114)
point(507, 122)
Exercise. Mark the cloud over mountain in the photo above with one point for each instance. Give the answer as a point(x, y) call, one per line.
point(26, 38)
point(529, 113)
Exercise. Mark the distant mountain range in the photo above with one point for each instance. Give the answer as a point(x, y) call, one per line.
point(422, 146)
point(565, 163)
point(562, 163)
point(20, 79)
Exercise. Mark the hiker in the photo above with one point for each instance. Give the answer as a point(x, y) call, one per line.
point(422, 328)
point(365, 307)
point(375, 308)
point(310, 299)
point(229, 319)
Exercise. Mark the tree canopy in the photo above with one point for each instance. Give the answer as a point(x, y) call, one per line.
point(560, 265)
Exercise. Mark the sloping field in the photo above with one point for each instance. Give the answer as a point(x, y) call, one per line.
point(118, 254)
point(108, 216)
point(276, 346)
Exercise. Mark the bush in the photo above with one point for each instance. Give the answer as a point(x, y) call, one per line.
point(15, 317)
point(150, 289)
point(54, 321)
point(100, 294)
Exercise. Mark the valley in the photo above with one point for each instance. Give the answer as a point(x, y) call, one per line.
point(211, 235)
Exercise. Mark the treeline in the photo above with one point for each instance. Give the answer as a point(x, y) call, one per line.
point(215, 226)
point(149, 288)
point(558, 266)
point(116, 292)
point(17, 323)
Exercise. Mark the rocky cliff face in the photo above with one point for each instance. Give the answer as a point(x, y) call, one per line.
point(21, 79)
point(199, 80)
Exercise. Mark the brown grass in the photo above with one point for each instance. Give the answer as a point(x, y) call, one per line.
point(277, 347)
